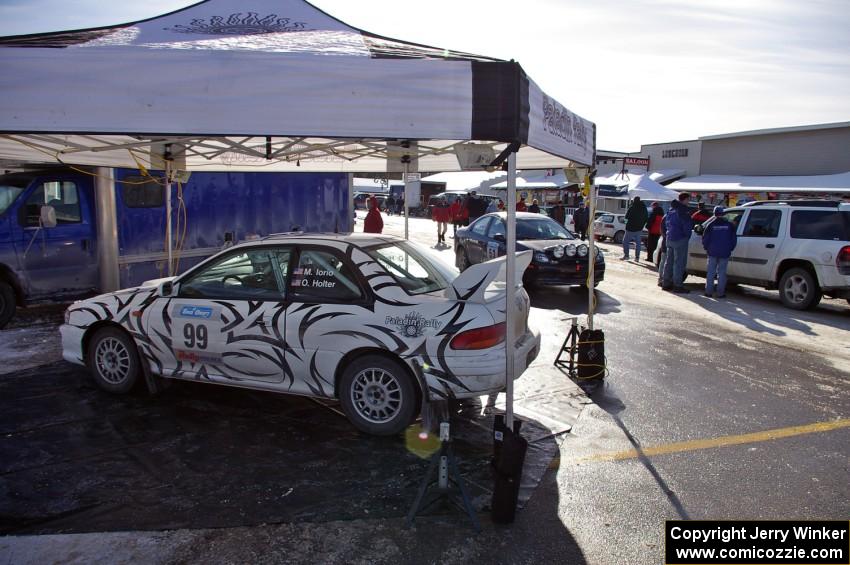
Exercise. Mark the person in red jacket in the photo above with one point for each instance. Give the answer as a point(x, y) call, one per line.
point(701, 214)
point(520, 206)
point(441, 214)
point(373, 223)
point(653, 226)
point(457, 218)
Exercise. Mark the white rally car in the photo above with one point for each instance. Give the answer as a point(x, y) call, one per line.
point(371, 320)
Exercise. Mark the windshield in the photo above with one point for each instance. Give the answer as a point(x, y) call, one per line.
point(542, 228)
point(415, 268)
point(9, 194)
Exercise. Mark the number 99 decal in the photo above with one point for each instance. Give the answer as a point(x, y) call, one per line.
point(195, 336)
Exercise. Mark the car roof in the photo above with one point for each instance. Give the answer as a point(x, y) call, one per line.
point(519, 215)
point(357, 239)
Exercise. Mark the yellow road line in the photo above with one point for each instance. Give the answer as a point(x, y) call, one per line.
point(724, 441)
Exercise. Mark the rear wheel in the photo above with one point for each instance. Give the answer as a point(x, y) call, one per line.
point(7, 303)
point(798, 289)
point(619, 236)
point(114, 361)
point(377, 395)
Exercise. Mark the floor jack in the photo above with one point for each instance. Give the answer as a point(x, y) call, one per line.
point(570, 347)
point(445, 486)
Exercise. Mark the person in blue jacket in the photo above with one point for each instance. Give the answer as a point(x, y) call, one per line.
point(678, 226)
point(719, 240)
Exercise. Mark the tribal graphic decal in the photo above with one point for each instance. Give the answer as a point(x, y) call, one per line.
point(300, 347)
point(240, 24)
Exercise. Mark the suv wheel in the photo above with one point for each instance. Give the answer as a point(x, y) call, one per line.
point(619, 236)
point(798, 289)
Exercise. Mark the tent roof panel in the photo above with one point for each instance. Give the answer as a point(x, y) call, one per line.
point(835, 183)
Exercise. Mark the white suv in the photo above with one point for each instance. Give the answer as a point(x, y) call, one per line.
point(801, 248)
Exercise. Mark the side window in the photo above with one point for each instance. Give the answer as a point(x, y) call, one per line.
point(496, 227)
point(480, 227)
point(734, 217)
point(62, 195)
point(254, 274)
point(831, 225)
point(321, 276)
point(762, 223)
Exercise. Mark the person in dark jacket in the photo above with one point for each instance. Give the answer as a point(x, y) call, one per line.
point(719, 240)
point(679, 225)
point(636, 217)
point(535, 207)
point(373, 222)
point(581, 219)
point(559, 213)
point(653, 226)
point(476, 206)
point(390, 204)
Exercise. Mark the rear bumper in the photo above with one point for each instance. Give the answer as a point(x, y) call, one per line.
point(476, 375)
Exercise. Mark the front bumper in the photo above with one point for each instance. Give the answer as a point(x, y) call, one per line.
point(72, 344)
point(476, 375)
point(570, 273)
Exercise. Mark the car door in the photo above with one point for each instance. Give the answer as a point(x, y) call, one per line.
point(758, 240)
point(326, 308)
point(228, 320)
point(477, 242)
point(496, 237)
point(62, 258)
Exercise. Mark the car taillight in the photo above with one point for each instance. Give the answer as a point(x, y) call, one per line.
point(479, 338)
point(609, 225)
point(843, 260)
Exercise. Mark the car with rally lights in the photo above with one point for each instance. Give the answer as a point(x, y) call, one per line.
point(799, 247)
point(558, 256)
point(377, 322)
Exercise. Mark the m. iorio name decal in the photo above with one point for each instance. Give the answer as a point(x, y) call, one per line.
point(412, 324)
point(560, 122)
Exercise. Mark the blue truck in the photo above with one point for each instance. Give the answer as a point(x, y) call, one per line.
point(67, 233)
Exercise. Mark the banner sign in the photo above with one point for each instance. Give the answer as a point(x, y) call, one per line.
point(637, 162)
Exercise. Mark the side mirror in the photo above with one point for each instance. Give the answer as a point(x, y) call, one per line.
point(47, 216)
point(166, 289)
point(499, 237)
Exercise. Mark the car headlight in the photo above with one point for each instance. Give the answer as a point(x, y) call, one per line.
point(582, 251)
point(570, 249)
point(541, 257)
point(558, 251)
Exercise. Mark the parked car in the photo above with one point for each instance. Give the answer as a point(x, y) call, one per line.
point(374, 321)
point(559, 257)
point(610, 226)
point(801, 248)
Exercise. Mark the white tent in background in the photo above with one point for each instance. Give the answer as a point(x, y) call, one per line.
point(648, 190)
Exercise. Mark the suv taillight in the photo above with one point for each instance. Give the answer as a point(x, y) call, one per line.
point(843, 260)
point(479, 338)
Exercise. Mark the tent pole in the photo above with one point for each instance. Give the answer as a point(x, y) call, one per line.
point(510, 292)
point(406, 204)
point(168, 218)
point(591, 255)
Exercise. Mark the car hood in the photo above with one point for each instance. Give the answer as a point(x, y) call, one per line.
point(541, 244)
point(474, 284)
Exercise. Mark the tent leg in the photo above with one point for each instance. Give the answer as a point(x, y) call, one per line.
point(406, 203)
point(168, 241)
point(510, 292)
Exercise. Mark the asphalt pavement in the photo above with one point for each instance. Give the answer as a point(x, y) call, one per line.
point(721, 409)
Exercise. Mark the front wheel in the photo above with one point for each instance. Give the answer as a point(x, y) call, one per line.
point(377, 396)
point(7, 303)
point(798, 289)
point(114, 361)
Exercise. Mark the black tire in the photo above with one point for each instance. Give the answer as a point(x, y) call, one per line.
point(798, 289)
point(114, 361)
point(462, 259)
point(7, 303)
point(378, 396)
point(619, 236)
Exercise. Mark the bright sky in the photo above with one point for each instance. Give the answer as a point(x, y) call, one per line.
point(646, 71)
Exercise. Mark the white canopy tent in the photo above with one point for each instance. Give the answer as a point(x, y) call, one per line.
point(276, 85)
point(838, 183)
point(648, 190)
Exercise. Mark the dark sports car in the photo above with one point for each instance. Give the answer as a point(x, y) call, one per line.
point(559, 257)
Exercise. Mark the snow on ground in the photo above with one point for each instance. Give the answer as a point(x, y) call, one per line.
point(31, 338)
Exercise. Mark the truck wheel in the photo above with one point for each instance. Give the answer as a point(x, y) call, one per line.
point(798, 289)
point(377, 396)
point(114, 361)
point(619, 236)
point(7, 303)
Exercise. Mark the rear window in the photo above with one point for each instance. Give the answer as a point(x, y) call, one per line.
point(830, 225)
point(413, 267)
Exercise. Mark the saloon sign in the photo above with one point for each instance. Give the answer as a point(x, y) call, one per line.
point(636, 162)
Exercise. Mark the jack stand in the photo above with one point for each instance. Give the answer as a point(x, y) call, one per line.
point(448, 473)
point(570, 346)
